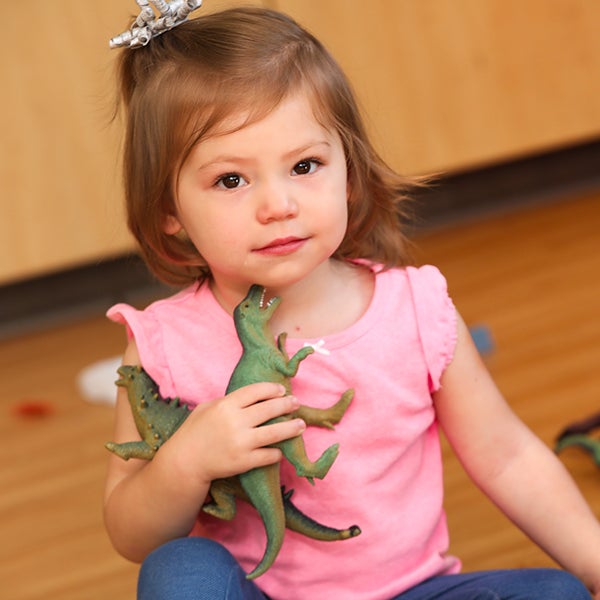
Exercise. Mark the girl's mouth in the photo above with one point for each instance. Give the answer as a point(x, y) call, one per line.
point(281, 246)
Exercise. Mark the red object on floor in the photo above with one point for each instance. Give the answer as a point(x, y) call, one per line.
point(32, 408)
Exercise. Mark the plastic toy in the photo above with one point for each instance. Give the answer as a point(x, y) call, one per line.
point(32, 408)
point(262, 360)
point(482, 338)
point(577, 435)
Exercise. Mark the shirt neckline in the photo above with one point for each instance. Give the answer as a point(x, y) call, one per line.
point(374, 311)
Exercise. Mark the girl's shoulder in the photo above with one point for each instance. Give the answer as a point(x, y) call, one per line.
point(196, 298)
point(421, 290)
point(425, 282)
point(426, 290)
point(168, 329)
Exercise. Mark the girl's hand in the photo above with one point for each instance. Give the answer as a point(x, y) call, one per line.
point(226, 436)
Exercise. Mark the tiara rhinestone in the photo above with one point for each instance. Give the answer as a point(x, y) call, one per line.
point(148, 24)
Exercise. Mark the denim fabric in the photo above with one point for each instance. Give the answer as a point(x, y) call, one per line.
point(515, 584)
point(194, 568)
point(201, 569)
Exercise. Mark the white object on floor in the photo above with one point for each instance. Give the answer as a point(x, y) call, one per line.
point(97, 381)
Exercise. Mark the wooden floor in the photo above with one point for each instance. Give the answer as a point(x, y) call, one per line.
point(532, 277)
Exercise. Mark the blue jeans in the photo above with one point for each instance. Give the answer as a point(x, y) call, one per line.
point(200, 569)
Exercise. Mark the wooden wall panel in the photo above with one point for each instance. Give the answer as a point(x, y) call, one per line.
point(60, 184)
point(60, 200)
point(453, 84)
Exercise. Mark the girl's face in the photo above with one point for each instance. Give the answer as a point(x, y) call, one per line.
point(267, 203)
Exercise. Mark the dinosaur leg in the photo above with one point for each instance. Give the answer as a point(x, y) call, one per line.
point(264, 493)
point(295, 452)
point(326, 417)
point(296, 520)
point(294, 449)
point(293, 363)
point(132, 450)
point(223, 493)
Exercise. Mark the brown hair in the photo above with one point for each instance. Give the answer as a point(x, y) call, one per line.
point(183, 84)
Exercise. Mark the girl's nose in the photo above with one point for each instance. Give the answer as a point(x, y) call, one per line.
point(276, 203)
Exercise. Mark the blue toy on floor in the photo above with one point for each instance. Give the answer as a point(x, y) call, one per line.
point(482, 336)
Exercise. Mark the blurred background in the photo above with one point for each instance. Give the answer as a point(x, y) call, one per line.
point(498, 98)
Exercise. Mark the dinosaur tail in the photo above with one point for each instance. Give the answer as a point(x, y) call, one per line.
point(586, 443)
point(296, 520)
point(262, 488)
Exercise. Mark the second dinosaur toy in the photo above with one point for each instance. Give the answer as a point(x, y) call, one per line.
point(262, 359)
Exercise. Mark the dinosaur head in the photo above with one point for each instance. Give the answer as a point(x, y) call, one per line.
point(127, 374)
point(140, 387)
point(251, 316)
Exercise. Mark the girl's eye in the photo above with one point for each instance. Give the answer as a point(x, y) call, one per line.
point(305, 167)
point(230, 181)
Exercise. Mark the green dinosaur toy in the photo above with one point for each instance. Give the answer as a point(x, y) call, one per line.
point(581, 440)
point(579, 434)
point(262, 360)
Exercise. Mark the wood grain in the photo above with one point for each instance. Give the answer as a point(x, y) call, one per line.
point(452, 84)
point(59, 168)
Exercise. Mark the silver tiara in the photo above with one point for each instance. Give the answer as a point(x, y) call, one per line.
point(148, 24)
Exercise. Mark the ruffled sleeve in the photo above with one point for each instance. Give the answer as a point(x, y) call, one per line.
point(145, 328)
point(436, 319)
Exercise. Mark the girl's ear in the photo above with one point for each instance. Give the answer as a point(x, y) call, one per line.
point(172, 225)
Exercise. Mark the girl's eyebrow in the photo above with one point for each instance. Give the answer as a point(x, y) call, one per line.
point(308, 146)
point(233, 158)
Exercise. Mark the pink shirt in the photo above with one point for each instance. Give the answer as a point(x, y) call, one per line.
point(388, 476)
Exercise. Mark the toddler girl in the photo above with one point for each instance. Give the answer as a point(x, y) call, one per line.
point(246, 162)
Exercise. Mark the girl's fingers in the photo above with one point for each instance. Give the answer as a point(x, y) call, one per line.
point(257, 392)
point(265, 435)
point(261, 402)
point(266, 456)
point(263, 411)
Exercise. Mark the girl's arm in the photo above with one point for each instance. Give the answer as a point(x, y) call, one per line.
point(520, 474)
point(148, 503)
